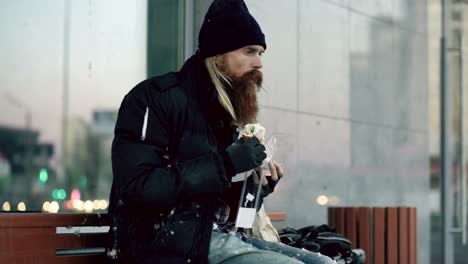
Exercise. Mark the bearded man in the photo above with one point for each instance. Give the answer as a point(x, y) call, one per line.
point(176, 149)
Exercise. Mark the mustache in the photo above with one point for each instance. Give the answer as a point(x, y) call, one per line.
point(254, 77)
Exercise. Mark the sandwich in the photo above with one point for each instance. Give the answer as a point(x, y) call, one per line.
point(251, 130)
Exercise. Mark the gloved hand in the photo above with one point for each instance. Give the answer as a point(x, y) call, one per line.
point(268, 186)
point(269, 182)
point(246, 155)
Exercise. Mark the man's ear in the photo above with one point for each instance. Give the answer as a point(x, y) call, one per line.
point(219, 60)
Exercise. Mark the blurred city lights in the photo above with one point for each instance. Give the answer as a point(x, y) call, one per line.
point(62, 194)
point(59, 194)
point(21, 206)
point(88, 206)
point(75, 195)
point(55, 193)
point(103, 204)
point(46, 206)
point(78, 205)
point(6, 206)
point(54, 207)
point(43, 175)
point(69, 204)
point(96, 205)
point(322, 200)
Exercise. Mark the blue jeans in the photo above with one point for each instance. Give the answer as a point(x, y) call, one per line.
point(235, 248)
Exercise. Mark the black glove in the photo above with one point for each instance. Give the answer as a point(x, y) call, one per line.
point(270, 187)
point(267, 189)
point(246, 155)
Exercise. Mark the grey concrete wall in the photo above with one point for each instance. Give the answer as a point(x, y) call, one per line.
point(346, 95)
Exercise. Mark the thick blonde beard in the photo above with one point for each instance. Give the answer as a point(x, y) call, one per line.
point(244, 96)
point(238, 95)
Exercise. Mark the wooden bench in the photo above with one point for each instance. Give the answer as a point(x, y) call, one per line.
point(386, 234)
point(60, 238)
point(48, 238)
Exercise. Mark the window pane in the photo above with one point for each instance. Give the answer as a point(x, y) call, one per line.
point(65, 68)
point(165, 36)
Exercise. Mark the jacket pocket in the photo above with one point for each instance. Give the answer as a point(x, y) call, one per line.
point(178, 233)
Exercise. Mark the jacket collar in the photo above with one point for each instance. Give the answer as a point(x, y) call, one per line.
point(194, 71)
point(195, 77)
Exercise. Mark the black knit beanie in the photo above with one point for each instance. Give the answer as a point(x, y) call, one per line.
point(228, 26)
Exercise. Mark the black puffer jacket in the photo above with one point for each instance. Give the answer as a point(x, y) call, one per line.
point(169, 166)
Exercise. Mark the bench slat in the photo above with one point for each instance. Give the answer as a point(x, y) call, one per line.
point(82, 230)
point(277, 216)
point(403, 222)
point(351, 225)
point(35, 259)
point(340, 220)
point(8, 220)
point(45, 241)
point(413, 225)
point(392, 235)
point(61, 252)
point(364, 232)
point(379, 235)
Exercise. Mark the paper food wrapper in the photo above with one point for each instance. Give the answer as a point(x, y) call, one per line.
point(247, 132)
point(251, 130)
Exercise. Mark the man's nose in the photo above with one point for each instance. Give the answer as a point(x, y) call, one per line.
point(257, 63)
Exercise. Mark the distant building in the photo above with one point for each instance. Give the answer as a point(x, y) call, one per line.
point(101, 132)
point(21, 149)
point(103, 122)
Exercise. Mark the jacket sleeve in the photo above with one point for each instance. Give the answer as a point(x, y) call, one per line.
point(143, 174)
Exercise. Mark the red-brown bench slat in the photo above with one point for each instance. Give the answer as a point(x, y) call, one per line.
point(364, 232)
point(386, 234)
point(392, 235)
point(277, 216)
point(351, 224)
point(403, 235)
point(412, 248)
point(378, 254)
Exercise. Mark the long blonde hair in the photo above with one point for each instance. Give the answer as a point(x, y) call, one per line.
point(220, 81)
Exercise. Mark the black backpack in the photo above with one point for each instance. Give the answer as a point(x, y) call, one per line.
point(323, 239)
